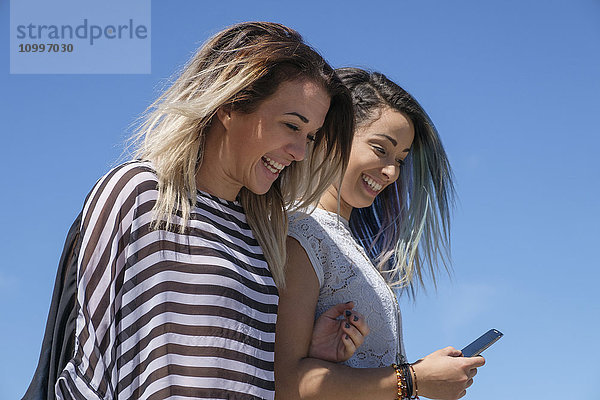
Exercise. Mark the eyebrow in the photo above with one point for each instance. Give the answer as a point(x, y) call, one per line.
point(302, 117)
point(391, 139)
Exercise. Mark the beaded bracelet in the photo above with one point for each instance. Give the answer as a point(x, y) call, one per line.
point(406, 381)
point(409, 380)
point(401, 382)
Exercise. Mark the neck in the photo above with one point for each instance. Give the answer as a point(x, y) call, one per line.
point(212, 176)
point(329, 202)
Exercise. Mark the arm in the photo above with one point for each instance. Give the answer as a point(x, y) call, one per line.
point(300, 377)
point(104, 236)
point(441, 375)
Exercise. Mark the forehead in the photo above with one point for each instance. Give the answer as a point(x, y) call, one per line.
point(391, 123)
point(302, 96)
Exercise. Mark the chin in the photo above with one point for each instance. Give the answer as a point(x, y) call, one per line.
point(366, 204)
point(259, 189)
point(366, 201)
point(361, 203)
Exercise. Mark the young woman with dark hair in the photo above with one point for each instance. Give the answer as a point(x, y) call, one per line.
point(380, 227)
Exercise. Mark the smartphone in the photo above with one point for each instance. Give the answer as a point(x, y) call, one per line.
point(481, 343)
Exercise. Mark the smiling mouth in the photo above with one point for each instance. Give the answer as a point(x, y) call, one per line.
point(272, 166)
point(376, 187)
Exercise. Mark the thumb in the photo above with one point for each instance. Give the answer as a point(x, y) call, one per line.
point(451, 352)
point(338, 310)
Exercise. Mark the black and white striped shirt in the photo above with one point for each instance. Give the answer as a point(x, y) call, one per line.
point(168, 315)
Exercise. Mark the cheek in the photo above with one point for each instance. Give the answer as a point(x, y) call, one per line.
point(271, 137)
point(258, 144)
point(360, 162)
point(350, 182)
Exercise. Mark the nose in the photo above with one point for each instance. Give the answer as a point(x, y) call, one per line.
point(297, 148)
point(391, 172)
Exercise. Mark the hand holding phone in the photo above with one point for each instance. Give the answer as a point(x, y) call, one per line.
point(481, 343)
point(445, 374)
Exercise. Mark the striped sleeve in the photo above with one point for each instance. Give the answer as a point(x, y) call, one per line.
point(169, 314)
point(106, 224)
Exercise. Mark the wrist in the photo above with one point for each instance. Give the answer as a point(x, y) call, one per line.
point(399, 382)
point(406, 382)
point(423, 377)
point(414, 379)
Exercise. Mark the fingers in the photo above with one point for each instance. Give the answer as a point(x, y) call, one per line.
point(358, 321)
point(349, 346)
point(355, 335)
point(471, 374)
point(353, 327)
point(338, 310)
point(352, 336)
point(476, 362)
point(354, 318)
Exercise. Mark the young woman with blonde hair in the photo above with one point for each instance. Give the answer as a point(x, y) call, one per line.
point(182, 249)
point(383, 227)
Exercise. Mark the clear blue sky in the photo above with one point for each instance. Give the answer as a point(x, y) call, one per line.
point(514, 89)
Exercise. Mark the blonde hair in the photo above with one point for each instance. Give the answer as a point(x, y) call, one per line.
point(406, 230)
point(239, 67)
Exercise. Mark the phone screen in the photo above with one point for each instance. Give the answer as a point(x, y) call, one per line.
point(482, 343)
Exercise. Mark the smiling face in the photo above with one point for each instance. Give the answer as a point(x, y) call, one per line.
point(251, 149)
point(378, 151)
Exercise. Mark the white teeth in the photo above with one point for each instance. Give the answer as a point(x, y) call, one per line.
point(372, 184)
point(272, 166)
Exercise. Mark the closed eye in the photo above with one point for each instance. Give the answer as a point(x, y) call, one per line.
point(401, 162)
point(292, 127)
point(380, 150)
point(313, 137)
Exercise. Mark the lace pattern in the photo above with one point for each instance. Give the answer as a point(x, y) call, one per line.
point(346, 273)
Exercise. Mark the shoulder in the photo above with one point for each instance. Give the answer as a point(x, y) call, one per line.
point(310, 238)
point(320, 226)
point(308, 230)
point(118, 191)
point(132, 173)
point(301, 267)
point(301, 223)
point(125, 179)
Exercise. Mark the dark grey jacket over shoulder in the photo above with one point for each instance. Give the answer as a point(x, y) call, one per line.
point(59, 337)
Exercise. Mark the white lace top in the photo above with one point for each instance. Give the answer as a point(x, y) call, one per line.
point(346, 273)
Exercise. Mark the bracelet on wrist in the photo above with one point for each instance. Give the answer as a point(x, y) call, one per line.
point(415, 380)
point(401, 387)
point(406, 377)
point(409, 382)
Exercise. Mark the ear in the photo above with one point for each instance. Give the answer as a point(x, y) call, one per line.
point(224, 115)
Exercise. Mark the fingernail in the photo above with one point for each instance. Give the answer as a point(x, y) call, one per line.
point(347, 325)
point(347, 337)
point(348, 313)
point(355, 318)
